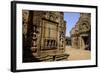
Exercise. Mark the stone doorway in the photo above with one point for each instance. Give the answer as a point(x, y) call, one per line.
point(85, 39)
point(85, 42)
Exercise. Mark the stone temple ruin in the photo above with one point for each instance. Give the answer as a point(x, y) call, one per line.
point(81, 33)
point(43, 36)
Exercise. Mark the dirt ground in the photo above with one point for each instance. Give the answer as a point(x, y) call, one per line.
point(77, 54)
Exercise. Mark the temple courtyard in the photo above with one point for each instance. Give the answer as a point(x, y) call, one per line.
point(77, 54)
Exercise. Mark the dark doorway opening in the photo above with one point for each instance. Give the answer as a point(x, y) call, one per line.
point(86, 42)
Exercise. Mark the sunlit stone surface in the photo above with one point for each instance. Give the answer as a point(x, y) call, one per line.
point(43, 36)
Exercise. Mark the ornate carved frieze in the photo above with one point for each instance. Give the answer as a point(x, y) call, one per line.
point(45, 32)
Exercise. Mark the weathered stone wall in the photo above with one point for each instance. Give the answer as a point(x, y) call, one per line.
point(44, 33)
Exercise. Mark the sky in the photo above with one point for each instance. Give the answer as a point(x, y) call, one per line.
point(71, 19)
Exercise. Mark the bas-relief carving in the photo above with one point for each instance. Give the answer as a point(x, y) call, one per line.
point(45, 35)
